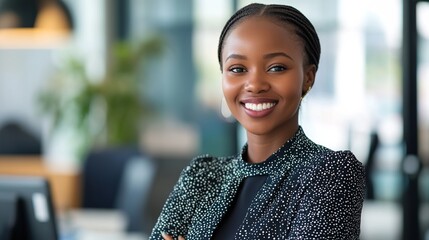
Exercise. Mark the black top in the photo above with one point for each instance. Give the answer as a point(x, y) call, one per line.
point(234, 217)
point(312, 193)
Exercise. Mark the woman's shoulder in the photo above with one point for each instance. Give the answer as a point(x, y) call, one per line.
point(206, 163)
point(342, 158)
point(329, 164)
point(318, 156)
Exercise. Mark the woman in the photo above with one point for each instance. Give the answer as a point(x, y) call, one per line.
point(281, 185)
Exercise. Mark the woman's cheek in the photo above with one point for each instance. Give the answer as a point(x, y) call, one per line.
point(227, 86)
point(231, 91)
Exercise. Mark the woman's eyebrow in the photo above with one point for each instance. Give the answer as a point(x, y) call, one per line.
point(277, 54)
point(236, 56)
point(266, 56)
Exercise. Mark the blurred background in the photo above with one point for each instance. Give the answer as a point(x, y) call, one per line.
point(111, 99)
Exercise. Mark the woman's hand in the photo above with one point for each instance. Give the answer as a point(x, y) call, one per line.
point(168, 237)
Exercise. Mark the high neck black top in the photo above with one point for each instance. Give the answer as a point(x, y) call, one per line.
point(232, 220)
point(310, 192)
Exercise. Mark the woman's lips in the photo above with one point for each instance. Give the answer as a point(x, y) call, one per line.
point(258, 107)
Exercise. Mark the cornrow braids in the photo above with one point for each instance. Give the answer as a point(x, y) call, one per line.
point(285, 14)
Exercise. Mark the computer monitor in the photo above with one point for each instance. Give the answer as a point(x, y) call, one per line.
point(26, 209)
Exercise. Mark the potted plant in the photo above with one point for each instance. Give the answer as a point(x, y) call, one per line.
point(88, 112)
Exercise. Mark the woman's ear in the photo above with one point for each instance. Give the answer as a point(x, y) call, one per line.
point(309, 77)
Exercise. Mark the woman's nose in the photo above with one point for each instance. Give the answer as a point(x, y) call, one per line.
point(256, 83)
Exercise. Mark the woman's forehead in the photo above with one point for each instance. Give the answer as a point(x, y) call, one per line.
point(261, 33)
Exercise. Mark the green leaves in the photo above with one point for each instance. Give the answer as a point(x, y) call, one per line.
point(113, 105)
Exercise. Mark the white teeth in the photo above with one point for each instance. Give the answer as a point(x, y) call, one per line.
point(259, 106)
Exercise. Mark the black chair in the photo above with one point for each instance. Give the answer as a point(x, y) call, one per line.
point(101, 176)
point(134, 194)
point(16, 140)
point(369, 167)
point(119, 179)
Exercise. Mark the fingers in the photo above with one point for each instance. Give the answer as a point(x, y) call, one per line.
point(168, 237)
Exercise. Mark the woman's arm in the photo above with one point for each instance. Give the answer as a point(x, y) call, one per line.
point(332, 204)
point(177, 209)
point(180, 206)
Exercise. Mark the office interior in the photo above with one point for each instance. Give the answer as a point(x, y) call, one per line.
point(111, 99)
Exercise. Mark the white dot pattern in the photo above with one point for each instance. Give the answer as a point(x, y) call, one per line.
point(311, 193)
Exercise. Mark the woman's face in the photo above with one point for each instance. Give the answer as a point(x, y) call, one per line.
point(264, 76)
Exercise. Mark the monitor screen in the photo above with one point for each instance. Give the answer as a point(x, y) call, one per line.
point(26, 209)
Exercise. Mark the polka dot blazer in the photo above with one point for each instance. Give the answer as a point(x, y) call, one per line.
point(311, 192)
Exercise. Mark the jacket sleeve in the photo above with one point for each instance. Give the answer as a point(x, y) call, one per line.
point(181, 203)
point(332, 202)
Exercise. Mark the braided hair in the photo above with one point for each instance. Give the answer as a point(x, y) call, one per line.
point(284, 14)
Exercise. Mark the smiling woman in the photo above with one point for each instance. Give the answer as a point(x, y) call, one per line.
point(270, 71)
point(281, 185)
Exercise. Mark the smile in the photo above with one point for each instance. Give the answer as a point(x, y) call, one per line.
point(259, 106)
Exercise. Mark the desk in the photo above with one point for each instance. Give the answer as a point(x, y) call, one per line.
point(65, 185)
point(94, 224)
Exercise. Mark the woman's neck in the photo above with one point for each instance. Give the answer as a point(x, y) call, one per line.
point(260, 147)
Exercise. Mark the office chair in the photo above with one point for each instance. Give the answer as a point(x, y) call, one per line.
point(370, 164)
point(101, 176)
point(133, 196)
point(16, 140)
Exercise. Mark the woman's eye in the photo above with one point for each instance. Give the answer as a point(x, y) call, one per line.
point(277, 69)
point(237, 70)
